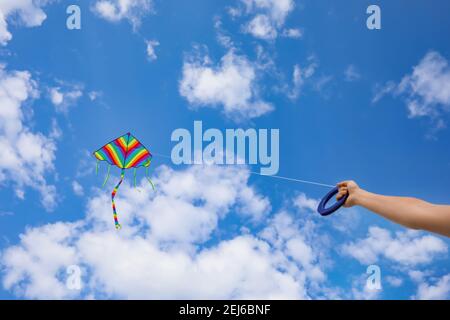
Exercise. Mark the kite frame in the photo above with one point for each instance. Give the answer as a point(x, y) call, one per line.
point(125, 158)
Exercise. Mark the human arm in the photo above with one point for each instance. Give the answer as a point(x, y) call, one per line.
point(410, 212)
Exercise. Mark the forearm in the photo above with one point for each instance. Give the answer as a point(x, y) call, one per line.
point(410, 212)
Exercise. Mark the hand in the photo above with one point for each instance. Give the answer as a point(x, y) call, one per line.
point(352, 189)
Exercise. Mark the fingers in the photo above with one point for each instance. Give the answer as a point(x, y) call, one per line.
point(344, 183)
point(342, 192)
point(341, 184)
point(340, 195)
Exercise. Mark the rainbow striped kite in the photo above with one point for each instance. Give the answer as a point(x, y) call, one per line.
point(124, 152)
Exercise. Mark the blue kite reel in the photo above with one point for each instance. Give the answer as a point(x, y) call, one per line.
point(327, 211)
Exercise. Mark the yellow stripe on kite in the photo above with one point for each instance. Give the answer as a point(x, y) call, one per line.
point(123, 142)
point(115, 156)
point(132, 143)
point(99, 156)
point(137, 156)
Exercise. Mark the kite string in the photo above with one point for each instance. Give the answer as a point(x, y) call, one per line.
point(161, 155)
point(272, 176)
point(294, 180)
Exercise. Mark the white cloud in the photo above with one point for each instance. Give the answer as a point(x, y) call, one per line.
point(394, 281)
point(300, 75)
point(65, 96)
point(151, 45)
point(232, 269)
point(440, 290)
point(141, 261)
point(28, 13)
point(6, 213)
point(417, 276)
point(26, 156)
point(351, 73)
point(77, 188)
point(261, 27)
point(322, 83)
point(269, 17)
point(38, 259)
point(362, 291)
point(117, 10)
point(55, 131)
point(407, 248)
point(428, 87)
point(56, 96)
point(253, 205)
point(283, 232)
point(426, 91)
point(302, 202)
point(381, 90)
point(223, 37)
point(348, 221)
point(231, 85)
point(294, 33)
point(94, 95)
point(174, 216)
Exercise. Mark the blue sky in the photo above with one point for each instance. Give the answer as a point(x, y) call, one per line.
point(350, 103)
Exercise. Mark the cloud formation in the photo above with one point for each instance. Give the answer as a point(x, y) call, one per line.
point(151, 46)
point(160, 252)
point(65, 96)
point(439, 289)
point(428, 87)
point(27, 156)
point(300, 75)
point(407, 248)
point(267, 18)
point(118, 10)
point(351, 73)
point(173, 246)
point(425, 91)
point(26, 13)
point(230, 85)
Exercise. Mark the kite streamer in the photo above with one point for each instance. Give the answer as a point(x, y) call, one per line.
point(113, 195)
point(124, 152)
point(148, 178)
point(107, 176)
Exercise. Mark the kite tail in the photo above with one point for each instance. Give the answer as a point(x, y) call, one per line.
point(149, 180)
point(107, 176)
point(113, 194)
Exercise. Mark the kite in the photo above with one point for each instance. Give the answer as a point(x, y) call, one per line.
point(125, 152)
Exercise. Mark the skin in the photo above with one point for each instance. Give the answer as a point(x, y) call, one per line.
point(410, 212)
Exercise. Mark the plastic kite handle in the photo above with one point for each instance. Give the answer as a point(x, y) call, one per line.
point(327, 211)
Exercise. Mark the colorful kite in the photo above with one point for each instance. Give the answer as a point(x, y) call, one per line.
point(124, 152)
